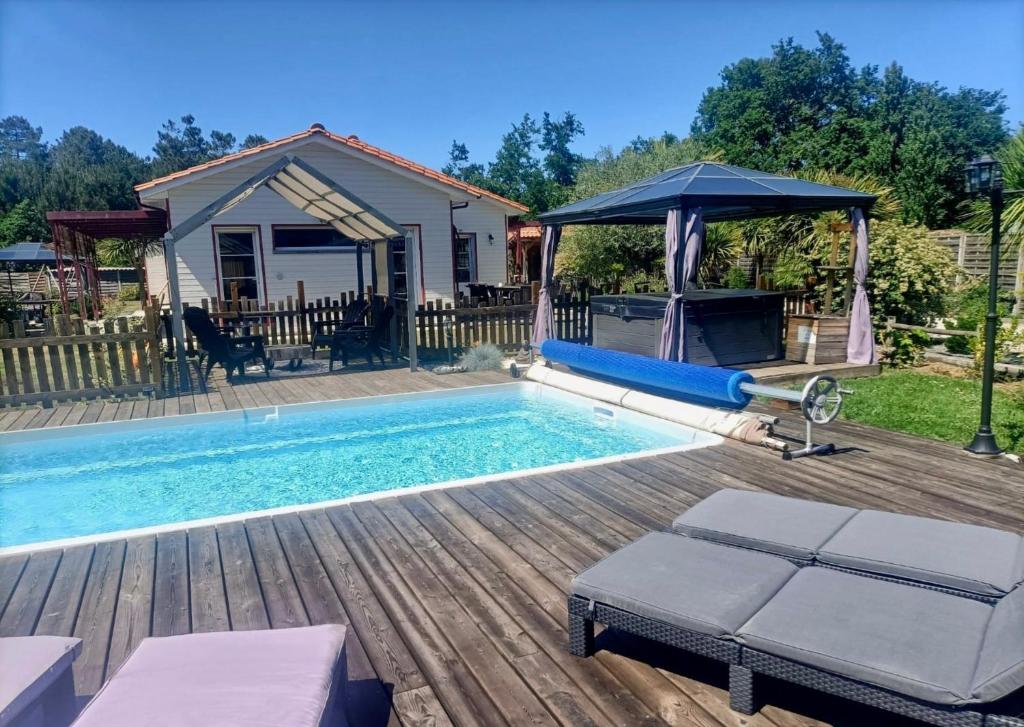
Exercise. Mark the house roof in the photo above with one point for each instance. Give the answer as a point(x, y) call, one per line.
point(724, 192)
point(352, 141)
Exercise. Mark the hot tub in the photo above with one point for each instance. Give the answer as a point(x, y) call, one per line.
point(723, 327)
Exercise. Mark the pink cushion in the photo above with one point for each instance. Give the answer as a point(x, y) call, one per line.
point(282, 677)
point(28, 666)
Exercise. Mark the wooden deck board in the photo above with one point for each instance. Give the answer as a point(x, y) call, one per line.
point(456, 598)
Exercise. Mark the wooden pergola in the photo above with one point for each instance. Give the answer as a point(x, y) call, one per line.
point(75, 235)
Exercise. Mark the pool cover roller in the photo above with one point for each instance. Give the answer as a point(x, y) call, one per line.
point(707, 385)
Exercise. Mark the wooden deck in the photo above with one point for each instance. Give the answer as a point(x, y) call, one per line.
point(457, 597)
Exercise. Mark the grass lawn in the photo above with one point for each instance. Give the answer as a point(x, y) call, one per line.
point(935, 406)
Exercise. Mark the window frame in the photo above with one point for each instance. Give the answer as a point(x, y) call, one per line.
point(473, 269)
point(311, 250)
point(257, 258)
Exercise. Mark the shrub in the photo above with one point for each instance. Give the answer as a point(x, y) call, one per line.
point(1009, 338)
point(958, 344)
point(129, 292)
point(905, 348)
point(484, 357)
point(968, 304)
point(735, 277)
point(910, 274)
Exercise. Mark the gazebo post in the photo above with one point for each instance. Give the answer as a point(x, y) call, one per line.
point(177, 325)
point(412, 297)
point(58, 249)
point(360, 281)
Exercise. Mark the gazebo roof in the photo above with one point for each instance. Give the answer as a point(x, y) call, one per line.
point(724, 192)
point(36, 253)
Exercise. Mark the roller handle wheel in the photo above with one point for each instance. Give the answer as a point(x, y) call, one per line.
point(821, 399)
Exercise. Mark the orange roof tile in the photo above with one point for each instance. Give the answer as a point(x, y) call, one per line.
point(350, 141)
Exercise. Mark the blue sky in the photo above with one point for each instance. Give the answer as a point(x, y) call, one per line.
point(410, 77)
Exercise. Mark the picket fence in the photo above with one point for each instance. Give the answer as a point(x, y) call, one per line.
point(75, 360)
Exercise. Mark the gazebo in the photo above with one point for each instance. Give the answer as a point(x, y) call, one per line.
point(683, 199)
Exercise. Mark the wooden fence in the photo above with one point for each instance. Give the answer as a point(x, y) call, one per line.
point(74, 361)
point(438, 324)
point(971, 252)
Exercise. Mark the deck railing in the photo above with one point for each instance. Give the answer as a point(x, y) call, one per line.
point(439, 325)
point(74, 360)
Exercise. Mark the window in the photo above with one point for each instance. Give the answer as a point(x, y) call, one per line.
point(397, 248)
point(310, 238)
point(465, 257)
point(236, 252)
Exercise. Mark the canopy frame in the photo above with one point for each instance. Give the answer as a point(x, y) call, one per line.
point(316, 194)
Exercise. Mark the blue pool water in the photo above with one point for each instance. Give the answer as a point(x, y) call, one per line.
point(124, 477)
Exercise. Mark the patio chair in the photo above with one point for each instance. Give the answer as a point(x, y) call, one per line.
point(324, 331)
point(363, 340)
point(231, 352)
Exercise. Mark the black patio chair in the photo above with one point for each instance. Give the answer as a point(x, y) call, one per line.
point(325, 331)
point(363, 340)
point(218, 347)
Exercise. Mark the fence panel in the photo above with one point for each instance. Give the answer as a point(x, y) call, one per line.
point(59, 365)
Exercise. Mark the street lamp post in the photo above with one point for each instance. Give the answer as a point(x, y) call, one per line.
point(984, 176)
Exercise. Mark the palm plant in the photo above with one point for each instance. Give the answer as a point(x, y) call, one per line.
point(978, 216)
point(799, 242)
point(130, 253)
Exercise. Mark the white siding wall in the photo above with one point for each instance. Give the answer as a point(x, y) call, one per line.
point(404, 200)
point(485, 219)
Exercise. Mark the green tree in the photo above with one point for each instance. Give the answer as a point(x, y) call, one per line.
point(805, 109)
point(23, 223)
point(19, 140)
point(517, 172)
point(88, 171)
point(23, 160)
point(180, 147)
point(459, 166)
point(254, 140)
point(560, 162)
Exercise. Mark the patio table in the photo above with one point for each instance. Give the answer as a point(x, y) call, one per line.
point(293, 354)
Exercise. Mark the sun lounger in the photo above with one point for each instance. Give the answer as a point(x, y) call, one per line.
point(961, 558)
point(35, 681)
point(293, 677)
point(759, 600)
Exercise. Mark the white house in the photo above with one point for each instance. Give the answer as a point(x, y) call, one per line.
point(265, 244)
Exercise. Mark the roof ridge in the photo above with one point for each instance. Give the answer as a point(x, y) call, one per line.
point(351, 141)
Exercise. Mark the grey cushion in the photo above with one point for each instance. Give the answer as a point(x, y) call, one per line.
point(915, 641)
point(292, 677)
point(772, 523)
point(1001, 666)
point(29, 666)
point(954, 555)
point(700, 586)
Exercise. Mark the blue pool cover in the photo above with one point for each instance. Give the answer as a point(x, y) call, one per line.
point(697, 384)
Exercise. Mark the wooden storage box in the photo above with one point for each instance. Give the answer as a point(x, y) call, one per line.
point(817, 339)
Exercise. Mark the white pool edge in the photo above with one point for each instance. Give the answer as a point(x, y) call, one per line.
point(82, 429)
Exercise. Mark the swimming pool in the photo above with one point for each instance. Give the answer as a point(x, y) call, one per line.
point(96, 479)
